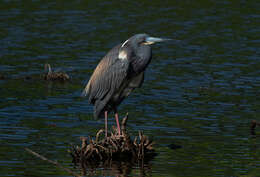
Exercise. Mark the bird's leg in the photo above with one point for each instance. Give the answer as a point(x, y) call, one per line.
point(106, 123)
point(117, 122)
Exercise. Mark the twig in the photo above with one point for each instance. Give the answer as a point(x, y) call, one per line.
point(52, 162)
point(98, 133)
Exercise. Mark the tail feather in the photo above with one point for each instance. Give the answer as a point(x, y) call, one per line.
point(84, 93)
point(99, 109)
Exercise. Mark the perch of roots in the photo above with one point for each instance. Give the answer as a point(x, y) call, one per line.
point(114, 147)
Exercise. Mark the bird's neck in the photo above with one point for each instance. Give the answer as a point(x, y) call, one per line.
point(141, 59)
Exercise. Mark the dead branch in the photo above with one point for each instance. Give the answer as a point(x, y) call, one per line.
point(52, 162)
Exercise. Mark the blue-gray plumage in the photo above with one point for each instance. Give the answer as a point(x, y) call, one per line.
point(118, 74)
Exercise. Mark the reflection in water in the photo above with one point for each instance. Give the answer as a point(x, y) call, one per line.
point(116, 168)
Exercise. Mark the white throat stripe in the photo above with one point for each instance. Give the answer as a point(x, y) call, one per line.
point(122, 55)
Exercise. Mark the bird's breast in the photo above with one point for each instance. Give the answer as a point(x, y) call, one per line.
point(127, 87)
point(136, 81)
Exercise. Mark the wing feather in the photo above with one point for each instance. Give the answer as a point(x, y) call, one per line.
point(107, 77)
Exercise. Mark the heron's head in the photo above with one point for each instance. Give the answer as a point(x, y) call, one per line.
point(142, 39)
point(138, 44)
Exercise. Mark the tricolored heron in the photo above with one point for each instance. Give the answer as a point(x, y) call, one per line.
point(118, 74)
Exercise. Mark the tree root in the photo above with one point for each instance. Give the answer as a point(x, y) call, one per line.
point(114, 147)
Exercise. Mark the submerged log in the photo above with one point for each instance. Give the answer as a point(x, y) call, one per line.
point(2, 77)
point(253, 125)
point(54, 76)
point(94, 151)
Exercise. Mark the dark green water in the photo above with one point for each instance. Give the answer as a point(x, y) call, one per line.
point(201, 93)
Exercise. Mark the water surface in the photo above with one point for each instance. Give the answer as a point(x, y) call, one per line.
point(200, 93)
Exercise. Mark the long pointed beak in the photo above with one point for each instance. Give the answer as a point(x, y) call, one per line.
point(152, 40)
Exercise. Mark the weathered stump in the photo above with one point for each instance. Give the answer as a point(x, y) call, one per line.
point(54, 76)
point(115, 147)
point(253, 126)
point(2, 77)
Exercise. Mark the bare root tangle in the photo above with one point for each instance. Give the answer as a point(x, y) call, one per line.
point(114, 147)
point(54, 76)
